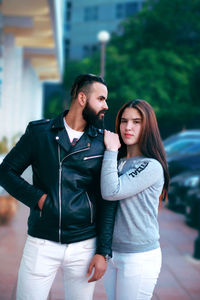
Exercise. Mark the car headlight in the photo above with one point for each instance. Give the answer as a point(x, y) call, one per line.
point(192, 181)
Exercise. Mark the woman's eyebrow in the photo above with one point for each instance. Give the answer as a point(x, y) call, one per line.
point(135, 119)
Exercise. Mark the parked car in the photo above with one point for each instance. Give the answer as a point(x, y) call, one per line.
point(183, 163)
point(192, 212)
point(182, 188)
point(192, 209)
point(177, 192)
point(191, 133)
point(182, 147)
point(183, 151)
point(183, 157)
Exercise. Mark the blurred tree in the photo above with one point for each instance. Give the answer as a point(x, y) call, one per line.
point(55, 106)
point(154, 56)
point(74, 68)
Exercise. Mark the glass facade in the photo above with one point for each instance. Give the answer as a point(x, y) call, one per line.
point(86, 18)
point(124, 10)
point(91, 13)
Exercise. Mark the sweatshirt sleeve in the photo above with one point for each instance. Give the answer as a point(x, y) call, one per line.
point(134, 181)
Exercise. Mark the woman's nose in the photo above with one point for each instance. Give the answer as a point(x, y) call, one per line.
point(128, 126)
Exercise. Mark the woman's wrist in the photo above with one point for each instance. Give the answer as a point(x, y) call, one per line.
point(111, 149)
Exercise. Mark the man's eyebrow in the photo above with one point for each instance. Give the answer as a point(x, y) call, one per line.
point(102, 97)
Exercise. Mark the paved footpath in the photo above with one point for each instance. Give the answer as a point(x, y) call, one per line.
point(179, 278)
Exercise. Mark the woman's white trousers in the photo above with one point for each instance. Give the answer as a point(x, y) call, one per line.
point(132, 276)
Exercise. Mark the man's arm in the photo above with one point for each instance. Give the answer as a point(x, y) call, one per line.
point(17, 160)
point(105, 226)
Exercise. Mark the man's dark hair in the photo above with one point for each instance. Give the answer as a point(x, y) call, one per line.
point(83, 82)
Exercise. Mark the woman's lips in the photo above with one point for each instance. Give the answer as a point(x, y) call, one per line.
point(128, 135)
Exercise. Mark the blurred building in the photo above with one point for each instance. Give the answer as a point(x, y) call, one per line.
point(31, 53)
point(84, 19)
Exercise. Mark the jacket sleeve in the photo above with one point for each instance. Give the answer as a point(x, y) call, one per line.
point(16, 161)
point(115, 187)
point(106, 212)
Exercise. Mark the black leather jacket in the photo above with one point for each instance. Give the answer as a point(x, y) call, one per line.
point(73, 210)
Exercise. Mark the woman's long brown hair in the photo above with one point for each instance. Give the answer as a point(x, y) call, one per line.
point(150, 141)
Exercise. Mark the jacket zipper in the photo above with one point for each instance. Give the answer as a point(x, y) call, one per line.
point(60, 174)
point(60, 177)
point(91, 208)
point(90, 157)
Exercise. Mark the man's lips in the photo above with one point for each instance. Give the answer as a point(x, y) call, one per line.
point(101, 114)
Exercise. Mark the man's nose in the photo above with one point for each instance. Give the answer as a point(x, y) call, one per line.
point(105, 105)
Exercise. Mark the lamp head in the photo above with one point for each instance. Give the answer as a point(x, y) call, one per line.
point(103, 36)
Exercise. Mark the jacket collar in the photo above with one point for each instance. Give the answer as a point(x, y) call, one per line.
point(58, 124)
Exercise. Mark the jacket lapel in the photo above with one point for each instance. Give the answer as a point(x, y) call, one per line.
point(63, 140)
point(62, 137)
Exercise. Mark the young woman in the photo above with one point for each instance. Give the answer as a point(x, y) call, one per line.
point(139, 180)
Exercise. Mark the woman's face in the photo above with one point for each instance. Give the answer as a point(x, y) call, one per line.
point(131, 126)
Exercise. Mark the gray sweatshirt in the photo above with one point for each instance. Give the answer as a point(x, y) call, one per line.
point(138, 183)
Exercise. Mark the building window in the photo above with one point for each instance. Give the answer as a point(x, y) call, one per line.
point(131, 8)
point(88, 50)
point(124, 10)
point(94, 48)
point(120, 11)
point(91, 13)
point(85, 51)
point(69, 11)
point(67, 48)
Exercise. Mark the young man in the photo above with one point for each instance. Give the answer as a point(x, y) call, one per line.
point(69, 226)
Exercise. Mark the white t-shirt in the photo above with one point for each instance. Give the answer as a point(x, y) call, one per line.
point(73, 134)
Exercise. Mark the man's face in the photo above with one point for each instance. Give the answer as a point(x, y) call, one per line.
point(96, 105)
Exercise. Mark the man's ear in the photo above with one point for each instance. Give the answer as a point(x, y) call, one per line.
point(82, 99)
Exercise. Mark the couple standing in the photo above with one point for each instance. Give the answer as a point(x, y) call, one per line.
point(70, 225)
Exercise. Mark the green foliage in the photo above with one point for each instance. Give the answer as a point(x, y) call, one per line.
point(55, 106)
point(156, 57)
point(74, 68)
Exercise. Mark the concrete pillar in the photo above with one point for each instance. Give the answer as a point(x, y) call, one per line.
point(11, 87)
point(21, 99)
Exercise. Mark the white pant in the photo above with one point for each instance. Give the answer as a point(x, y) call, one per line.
point(132, 276)
point(40, 262)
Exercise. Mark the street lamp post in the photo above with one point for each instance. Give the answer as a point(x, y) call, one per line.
point(103, 37)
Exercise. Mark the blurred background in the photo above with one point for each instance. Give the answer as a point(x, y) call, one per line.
point(147, 49)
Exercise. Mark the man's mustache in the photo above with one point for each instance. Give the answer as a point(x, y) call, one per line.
point(103, 111)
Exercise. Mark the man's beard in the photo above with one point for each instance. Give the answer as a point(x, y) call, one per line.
point(93, 118)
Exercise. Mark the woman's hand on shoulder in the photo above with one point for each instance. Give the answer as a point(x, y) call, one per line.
point(111, 140)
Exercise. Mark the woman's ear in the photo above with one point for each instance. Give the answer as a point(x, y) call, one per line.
point(82, 99)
